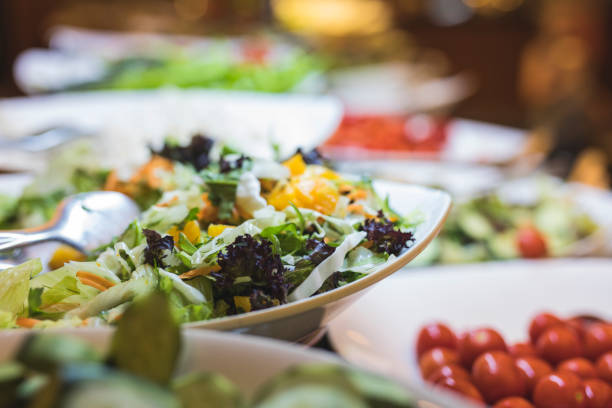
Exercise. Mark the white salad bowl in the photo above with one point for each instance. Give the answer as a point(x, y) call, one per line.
point(379, 331)
point(305, 320)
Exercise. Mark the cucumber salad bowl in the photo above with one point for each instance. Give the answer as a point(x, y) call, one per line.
point(273, 248)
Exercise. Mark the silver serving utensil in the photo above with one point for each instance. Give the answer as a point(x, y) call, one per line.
point(84, 221)
point(45, 140)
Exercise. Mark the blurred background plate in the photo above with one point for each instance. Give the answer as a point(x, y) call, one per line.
point(379, 331)
point(400, 140)
point(397, 88)
point(127, 123)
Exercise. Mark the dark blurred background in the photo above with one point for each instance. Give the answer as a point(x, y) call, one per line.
point(533, 62)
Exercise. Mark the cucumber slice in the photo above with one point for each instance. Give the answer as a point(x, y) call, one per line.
point(45, 352)
point(96, 386)
point(313, 396)
point(368, 389)
point(380, 392)
point(312, 374)
point(136, 350)
point(453, 252)
point(207, 390)
point(475, 225)
point(504, 246)
point(11, 375)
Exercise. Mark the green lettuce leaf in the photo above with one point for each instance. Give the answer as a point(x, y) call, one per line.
point(285, 237)
point(15, 285)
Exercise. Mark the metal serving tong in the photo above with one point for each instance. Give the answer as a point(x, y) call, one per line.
point(84, 221)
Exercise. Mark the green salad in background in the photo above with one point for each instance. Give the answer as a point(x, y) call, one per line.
point(489, 228)
point(225, 234)
point(256, 64)
point(54, 370)
point(217, 73)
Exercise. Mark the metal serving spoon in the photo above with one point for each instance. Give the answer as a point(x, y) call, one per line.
point(84, 221)
point(45, 140)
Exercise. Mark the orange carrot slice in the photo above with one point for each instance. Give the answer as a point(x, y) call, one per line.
point(27, 322)
point(93, 280)
point(203, 271)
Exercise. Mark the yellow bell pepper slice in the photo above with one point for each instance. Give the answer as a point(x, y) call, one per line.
point(65, 254)
point(296, 165)
point(192, 231)
point(242, 302)
point(215, 230)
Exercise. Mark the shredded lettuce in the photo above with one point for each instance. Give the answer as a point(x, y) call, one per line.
point(15, 285)
point(144, 281)
point(7, 320)
point(191, 294)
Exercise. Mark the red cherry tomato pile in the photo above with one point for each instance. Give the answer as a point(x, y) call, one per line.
point(564, 364)
point(389, 133)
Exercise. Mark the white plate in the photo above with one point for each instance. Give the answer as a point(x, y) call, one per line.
point(247, 361)
point(379, 331)
point(127, 122)
point(398, 88)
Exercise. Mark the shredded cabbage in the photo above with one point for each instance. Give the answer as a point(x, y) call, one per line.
point(325, 269)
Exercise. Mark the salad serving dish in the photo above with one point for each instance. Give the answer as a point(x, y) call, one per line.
point(264, 247)
point(306, 319)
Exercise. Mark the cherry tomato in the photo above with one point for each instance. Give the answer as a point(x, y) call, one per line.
point(531, 243)
point(587, 320)
point(522, 350)
point(513, 402)
point(604, 367)
point(532, 369)
point(432, 359)
point(450, 370)
point(582, 323)
point(598, 393)
point(540, 323)
point(559, 390)
point(582, 367)
point(557, 344)
point(476, 342)
point(496, 376)
point(463, 387)
point(435, 335)
point(597, 340)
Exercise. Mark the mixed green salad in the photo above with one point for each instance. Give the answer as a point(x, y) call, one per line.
point(228, 234)
point(51, 370)
point(252, 66)
point(73, 169)
point(489, 228)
